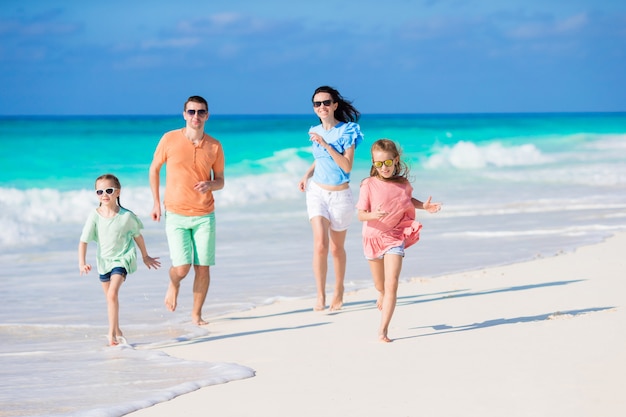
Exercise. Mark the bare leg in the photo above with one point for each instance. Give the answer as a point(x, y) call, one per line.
point(111, 292)
point(200, 289)
point(338, 252)
point(392, 266)
point(377, 266)
point(320, 227)
point(177, 274)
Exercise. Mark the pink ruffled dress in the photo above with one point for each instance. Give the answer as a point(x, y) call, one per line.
point(398, 226)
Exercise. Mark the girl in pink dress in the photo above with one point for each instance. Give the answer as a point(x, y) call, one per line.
point(387, 208)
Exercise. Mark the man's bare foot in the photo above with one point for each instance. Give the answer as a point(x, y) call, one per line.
point(113, 341)
point(171, 296)
point(320, 305)
point(199, 321)
point(379, 301)
point(384, 338)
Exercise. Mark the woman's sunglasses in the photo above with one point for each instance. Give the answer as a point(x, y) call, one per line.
point(326, 103)
point(106, 190)
point(379, 164)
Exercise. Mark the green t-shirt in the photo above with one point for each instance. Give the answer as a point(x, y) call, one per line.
point(115, 239)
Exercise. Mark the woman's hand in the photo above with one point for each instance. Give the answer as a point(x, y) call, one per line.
point(319, 140)
point(302, 184)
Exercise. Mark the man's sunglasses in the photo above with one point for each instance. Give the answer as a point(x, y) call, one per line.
point(201, 113)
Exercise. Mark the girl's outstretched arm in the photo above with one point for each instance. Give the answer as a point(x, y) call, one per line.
point(427, 205)
point(147, 259)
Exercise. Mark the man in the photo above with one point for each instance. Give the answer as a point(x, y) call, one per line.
point(195, 168)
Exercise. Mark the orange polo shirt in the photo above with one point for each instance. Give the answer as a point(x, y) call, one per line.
point(185, 166)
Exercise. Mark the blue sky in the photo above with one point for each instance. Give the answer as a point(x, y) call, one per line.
point(266, 57)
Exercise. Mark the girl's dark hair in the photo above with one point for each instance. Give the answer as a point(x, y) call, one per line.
point(116, 182)
point(401, 169)
point(345, 112)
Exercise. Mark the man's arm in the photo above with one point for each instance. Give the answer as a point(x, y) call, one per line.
point(155, 170)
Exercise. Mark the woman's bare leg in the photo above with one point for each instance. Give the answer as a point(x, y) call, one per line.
point(338, 252)
point(320, 226)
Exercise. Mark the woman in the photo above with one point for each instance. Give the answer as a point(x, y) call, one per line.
point(329, 198)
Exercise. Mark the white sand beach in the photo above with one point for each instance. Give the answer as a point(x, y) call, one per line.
point(540, 338)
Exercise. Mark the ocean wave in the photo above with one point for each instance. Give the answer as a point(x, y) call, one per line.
point(469, 155)
point(288, 160)
point(607, 142)
point(596, 174)
point(36, 216)
point(540, 232)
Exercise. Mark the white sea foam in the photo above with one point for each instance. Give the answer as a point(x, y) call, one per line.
point(153, 376)
point(572, 231)
point(468, 155)
point(608, 142)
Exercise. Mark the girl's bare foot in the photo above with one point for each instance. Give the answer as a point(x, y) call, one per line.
point(384, 338)
point(379, 301)
point(121, 340)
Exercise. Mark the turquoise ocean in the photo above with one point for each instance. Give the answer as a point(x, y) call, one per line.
point(513, 186)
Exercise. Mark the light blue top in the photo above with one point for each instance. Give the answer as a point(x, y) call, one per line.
point(341, 137)
point(115, 239)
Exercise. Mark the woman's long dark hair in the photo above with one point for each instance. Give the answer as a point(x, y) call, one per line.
point(345, 112)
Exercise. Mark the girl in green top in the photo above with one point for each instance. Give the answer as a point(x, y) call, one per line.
point(114, 229)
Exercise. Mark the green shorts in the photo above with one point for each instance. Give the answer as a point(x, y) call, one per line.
point(191, 239)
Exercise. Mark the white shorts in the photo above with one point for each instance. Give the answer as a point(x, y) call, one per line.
point(336, 206)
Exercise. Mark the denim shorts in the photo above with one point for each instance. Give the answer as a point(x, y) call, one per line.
point(396, 250)
point(336, 206)
point(118, 270)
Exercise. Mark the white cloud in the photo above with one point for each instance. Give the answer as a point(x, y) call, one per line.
point(170, 43)
point(540, 28)
point(572, 23)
